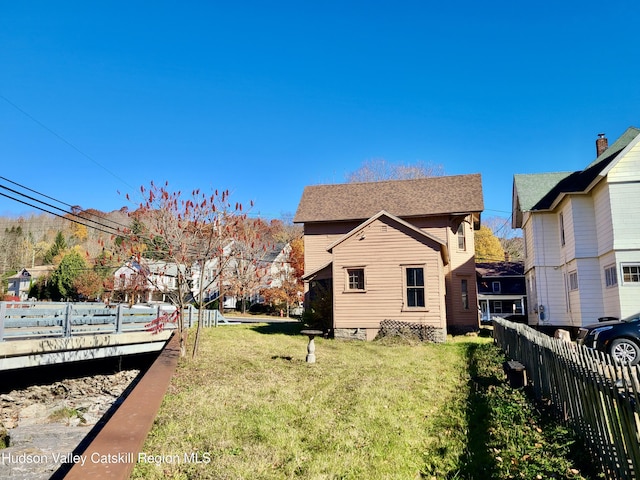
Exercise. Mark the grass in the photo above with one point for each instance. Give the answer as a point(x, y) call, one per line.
point(250, 407)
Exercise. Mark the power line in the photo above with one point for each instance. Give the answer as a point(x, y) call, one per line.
point(55, 200)
point(63, 139)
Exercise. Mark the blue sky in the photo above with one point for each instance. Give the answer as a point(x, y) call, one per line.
point(263, 98)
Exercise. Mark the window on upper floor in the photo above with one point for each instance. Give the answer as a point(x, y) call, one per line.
point(631, 273)
point(495, 287)
point(462, 239)
point(610, 276)
point(562, 238)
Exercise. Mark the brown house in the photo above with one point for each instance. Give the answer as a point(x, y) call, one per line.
point(398, 250)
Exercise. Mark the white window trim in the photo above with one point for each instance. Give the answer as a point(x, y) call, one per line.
point(461, 234)
point(622, 267)
point(610, 272)
point(573, 285)
point(346, 279)
point(403, 272)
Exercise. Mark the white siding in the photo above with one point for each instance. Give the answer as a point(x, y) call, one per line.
point(627, 168)
point(625, 200)
point(629, 292)
point(590, 292)
point(610, 295)
point(552, 294)
point(583, 231)
point(603, 221)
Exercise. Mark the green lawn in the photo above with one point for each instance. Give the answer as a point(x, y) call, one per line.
point(250, 407)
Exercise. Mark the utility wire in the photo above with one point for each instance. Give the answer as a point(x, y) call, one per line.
point(55, 200)
point(61, 216)
point(116, 232)
point(60, 137)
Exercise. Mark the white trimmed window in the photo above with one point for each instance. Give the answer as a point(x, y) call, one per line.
point(462, 240)
point(562, 238)
point(610, 276)
point(414, 291)
point(355, 279)
point(573, 280)
point(631, 273)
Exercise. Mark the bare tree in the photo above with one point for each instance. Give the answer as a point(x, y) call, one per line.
point(380, 169)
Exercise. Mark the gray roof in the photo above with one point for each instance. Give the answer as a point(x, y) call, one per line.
point(402, 198)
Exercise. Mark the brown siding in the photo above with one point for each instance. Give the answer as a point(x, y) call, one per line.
point(317, 237)
point(385, 248)
point(462, 266)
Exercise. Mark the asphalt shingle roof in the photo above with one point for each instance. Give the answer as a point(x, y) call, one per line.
point(539, 191)
point(402, 198)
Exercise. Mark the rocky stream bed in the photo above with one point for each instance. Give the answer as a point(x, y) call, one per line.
point(40, 426)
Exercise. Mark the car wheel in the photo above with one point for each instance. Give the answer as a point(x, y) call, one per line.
point(625, 351)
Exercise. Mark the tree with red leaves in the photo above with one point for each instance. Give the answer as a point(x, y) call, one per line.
point(191, 235)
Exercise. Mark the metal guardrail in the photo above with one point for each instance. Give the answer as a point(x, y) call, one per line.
point(29, 320)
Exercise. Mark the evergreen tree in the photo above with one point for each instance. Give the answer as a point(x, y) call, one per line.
point(71, 266)
point(59, 246)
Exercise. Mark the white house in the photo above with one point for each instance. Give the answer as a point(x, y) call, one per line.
point(20, 283)
point(582, 243)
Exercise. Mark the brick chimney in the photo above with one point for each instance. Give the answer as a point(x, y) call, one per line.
point(601, 144)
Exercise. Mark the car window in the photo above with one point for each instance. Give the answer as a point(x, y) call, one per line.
point(633, 318)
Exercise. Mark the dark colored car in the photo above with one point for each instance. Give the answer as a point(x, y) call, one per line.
point(619, 338)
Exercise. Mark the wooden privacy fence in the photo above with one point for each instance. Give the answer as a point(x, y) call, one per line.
point(589, 392)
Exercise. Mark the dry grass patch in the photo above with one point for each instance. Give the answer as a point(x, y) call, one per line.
point(257, 410)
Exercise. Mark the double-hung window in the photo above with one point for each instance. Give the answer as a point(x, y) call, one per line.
point(610, 276)
point(414, 287)
point(462, 240)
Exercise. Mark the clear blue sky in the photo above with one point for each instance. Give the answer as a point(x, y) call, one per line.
point(263, 98)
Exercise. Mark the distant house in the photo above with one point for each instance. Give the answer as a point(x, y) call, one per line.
point(501, 289)
point(151, 281)
point(20, 283)
point(393, 250)
point(582, 240)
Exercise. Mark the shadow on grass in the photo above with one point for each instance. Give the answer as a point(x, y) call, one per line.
point(477, 461)
point(279, 328)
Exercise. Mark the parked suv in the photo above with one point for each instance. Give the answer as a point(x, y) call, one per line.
point(619, 338)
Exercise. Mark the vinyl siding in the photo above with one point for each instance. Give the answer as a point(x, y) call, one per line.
point(551, 291)
point(625, 198)
point(629, 292)
point(627, 168)
point(610, 295)
point(383, 251)
point(603, 220)
point(590, 290)
point(582, 240)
